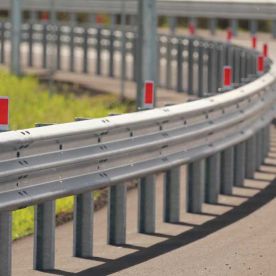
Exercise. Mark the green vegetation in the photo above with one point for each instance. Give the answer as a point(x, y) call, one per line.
point(29, 104)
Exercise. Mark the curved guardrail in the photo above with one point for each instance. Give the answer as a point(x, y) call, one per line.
point(183, 62)
point(100, 152)
point(222, 139)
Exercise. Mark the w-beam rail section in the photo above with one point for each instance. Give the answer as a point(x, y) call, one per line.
point(222, 139)
point(185, 64)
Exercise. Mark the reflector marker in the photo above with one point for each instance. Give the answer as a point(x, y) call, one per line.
point(4, 113)
point(148, 95)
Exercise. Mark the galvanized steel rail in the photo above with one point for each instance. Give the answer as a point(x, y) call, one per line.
point(223, 139)
point(183, 62)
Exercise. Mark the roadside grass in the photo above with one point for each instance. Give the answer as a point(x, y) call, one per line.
point(31, 103)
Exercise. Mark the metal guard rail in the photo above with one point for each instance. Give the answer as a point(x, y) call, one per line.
point(182, 61)
point(41, 164)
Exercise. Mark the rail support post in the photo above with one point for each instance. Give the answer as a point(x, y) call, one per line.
point(5, 243)
point(117, 214)
point(273, 29)
point(239, 164)
point(171, 195)
point(267, 141)
point(250, 157)
point(227, 171)
point(213, 25)
point(191, 67)
point(146, 216)
point(212, 178)
point(259, 152)
point(44, 236)
point(83, 225)
point(195, 186)
point(172, 24)
point(16, 37)
point(234, 26)
point(180, 66)
point(147, 41)
point(253, 26)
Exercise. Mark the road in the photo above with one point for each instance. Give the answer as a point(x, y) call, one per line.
point(235, 237)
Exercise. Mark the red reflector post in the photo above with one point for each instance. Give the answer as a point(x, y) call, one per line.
point(227, 78)
point(148, 95)
point(260, 64)
point(45, 16)
point(254, 42)
point(191, 28)
point(4, 113)
point(229, 34)
point(265, 50)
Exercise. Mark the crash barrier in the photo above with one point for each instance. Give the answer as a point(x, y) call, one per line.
point(185, 64)
point(222, 140)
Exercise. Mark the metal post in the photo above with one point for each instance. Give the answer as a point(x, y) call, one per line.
point(234, 26)
point(239, 164)
point(33, 20)
point(85, 50)
point(123, 50)
point(213, 25)
point(171, 195)
point(172, 24)
point(253, 26)
point(180, 50)
point(264, 144)
point(200, 70)
point(212, 178)
point(273, 28)
point(243, 72)
point(83, 221)
point(214, 88)
point(191, 67)
point(3, 31)
point(267, 140)
point(133, 20)
point(111, 46)
point(227, 171)
point(30, 42)
point(99, 50)
point(169, 64)
point(5, 243)
point(16, 37)
point(147, 41)
point(117, 214)
point(72, 41)
point(146, 216)
point(92, 19)
point(158, 63)
point(58, 47)
point(220, 56)
point(134, 57)
point(210, 69)
point(236, 66)
point(44, 45)
point(195, 186)
point(250, 157)
point(259, 146)
point(44, 236)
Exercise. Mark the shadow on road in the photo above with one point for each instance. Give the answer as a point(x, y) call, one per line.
point(174, 242)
